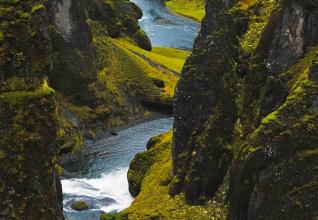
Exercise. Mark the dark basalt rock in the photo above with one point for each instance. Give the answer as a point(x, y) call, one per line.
point(313, 71)
point(251, 113)
point(200, 158)
point(290, 31)
point(114, 133)
point(48, 44)
point(273, 96)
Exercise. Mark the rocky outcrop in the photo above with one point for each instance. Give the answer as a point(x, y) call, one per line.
point(247, 107)
point(62, 77)
point(69, 17)
point(141, 164)
point(204, 118)
point(29, 183)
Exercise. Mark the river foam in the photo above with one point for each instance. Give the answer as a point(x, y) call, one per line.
point(111, 185)
point(103, 168)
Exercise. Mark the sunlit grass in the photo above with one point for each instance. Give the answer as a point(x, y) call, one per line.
point(190, 8)
point(169, 57)
point(154, 201)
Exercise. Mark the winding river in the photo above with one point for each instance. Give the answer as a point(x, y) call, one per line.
point(102, 177)
point(165, 29)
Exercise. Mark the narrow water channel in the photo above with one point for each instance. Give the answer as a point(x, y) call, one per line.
point(102, 181)
point(102, 169)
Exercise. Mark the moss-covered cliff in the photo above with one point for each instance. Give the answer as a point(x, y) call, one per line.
point(63, 78)
point(254, 101)
point(102, 84)
point(245, 117)
point(29, 184)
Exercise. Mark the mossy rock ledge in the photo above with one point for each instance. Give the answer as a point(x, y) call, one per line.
point(65, 78)
point(246, 121)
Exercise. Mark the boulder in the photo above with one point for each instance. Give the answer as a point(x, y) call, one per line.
point(79, 205)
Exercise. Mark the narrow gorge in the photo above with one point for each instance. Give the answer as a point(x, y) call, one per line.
point(154, 109)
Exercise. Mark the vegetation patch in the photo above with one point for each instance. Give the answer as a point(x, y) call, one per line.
point(257, 21)
point(193, 9)
point(171, 58)
point(154, 201)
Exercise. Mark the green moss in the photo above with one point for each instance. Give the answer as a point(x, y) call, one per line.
point(154, 200)
point(246, 4)
point(16, 97)
point(37, 8)
point(1, 37)
point(129, 73)
point(142, 163)
point(5, 11)
point(257, 23)
point(2, 154)
point(270, 118)
point(28, 124)
point(310, 153)
point(193, 9)
point(68, 135)
point(151, 63)
point(58, 169)
point(171, 58)
point(112, 217)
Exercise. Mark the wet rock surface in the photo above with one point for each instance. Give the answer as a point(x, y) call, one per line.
point(86, 202)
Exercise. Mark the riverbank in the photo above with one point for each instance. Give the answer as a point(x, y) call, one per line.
point(102, 170)
point(101, 167)
point(165, 29)
point(193, 9)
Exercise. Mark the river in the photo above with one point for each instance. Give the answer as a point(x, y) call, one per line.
point(165, 29)
point(102, 169)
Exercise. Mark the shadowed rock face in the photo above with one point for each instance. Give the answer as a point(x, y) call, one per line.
point(204, 118)
point(293, 29)
point(45, 43)
point(260, 126)
point(69, 17)
point(29, 184)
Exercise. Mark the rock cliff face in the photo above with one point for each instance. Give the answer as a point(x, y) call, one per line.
point(246, 108)
point(29, 183)
point(204, 118)
point(63, 77)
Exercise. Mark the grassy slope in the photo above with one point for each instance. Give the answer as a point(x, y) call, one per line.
point(126, 76)
point(151, 64)
point(154, 201)
point(190, 8)
point(131, 67)
point(169, 57)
